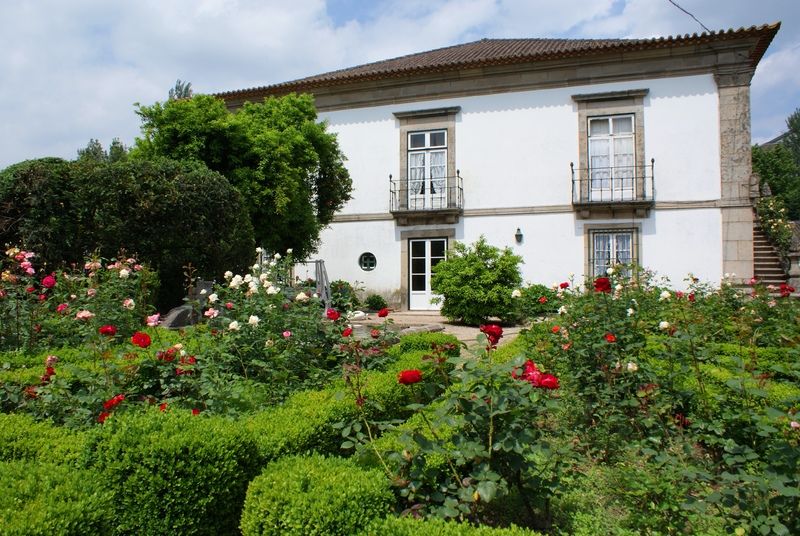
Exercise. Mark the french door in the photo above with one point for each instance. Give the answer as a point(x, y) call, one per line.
point(427, 170)
point(612, 165)
point(423, 255)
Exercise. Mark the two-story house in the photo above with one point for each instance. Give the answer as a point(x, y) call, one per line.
point(575, 153)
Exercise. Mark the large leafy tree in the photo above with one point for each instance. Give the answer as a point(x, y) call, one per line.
point(285, 163)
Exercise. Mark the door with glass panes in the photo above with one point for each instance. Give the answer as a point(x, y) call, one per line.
point(423, 255)
point(612, 165)
point(427, 170)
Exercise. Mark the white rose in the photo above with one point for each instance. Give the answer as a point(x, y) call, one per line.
point(663, 325)
point(301, 297)
point(228, 274)
point(516, 293)
point(236, 281)
point(289, 251)
point(263, 277)
point(277, 256)
point(665, 295)
point(259, 250)
point(203, 292)
point(631, 311)
point(619, 287)
point(256, 266)
point(253, 320)
point(632, 367)
point(610, 271)
point(233, 326)
point(124, 273)
point(212, 298)
point(562, 310)
point(273, 290)
point(248, 278)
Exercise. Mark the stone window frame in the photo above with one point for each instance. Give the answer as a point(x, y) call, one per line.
point(609, 104)
point(448, 233)
point(591, 230)
point(425, 121)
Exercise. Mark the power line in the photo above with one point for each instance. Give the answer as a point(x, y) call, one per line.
point(695, 18)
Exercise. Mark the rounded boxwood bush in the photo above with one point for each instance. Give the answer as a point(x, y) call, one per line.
point(174, 472)
point(314, 496)
point(476, 283)
point(47, 499)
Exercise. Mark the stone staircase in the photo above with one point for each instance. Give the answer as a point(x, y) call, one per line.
point(766, 261)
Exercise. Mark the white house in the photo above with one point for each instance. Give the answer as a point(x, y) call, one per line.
point(574, 153)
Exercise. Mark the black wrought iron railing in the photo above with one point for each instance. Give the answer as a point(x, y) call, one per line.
point(618, 184)
point(426, 194)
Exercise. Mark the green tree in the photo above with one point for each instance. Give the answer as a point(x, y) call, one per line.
point(95, 153)
point(792, 141)
point(288, 168)
point(181, 90)
point(476, 282)
point(777, 168)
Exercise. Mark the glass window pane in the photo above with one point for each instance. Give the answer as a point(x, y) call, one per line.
point(417, 266)
point(623, 125)
point(438, 248)
point(418, 248)
point(438, 139)
point(418, 282)
point(416, 140)
point(367, 261)
point(598, 127)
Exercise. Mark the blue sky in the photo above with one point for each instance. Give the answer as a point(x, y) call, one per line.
point(72, 70)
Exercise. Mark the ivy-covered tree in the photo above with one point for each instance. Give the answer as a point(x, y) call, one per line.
point(779, 166)
point(285, 163)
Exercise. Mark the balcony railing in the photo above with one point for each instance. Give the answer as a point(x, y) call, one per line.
point(428, 194)
point(609, 186)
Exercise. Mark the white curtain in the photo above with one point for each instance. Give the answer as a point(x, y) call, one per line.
point(602, 253)
point(416, 173)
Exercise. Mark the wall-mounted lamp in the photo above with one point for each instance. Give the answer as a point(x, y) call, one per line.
point(518, 236)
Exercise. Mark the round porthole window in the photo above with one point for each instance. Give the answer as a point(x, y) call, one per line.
point(367, 261)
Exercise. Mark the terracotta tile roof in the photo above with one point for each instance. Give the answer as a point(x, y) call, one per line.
point(489, 52)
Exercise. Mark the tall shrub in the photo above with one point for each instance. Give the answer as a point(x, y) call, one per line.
point(476, 282)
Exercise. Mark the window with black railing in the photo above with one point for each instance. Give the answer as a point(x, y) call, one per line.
point(612, 184)
point(429, 192)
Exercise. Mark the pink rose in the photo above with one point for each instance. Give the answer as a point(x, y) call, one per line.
point(154, 320)
point(61, 308)
point(287, 334)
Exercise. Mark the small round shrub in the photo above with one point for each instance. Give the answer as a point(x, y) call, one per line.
point(375, 302)
point(476, 283)
point(343, 296)
point(44, 498)
point(314, 496)
point(174, 472)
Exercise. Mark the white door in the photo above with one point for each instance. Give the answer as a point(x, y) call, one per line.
point(427, 170)
point(423, 255)
point(611, 158)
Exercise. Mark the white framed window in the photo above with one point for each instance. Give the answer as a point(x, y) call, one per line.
point(612, 157)
point(610, 247)
point(427, 169)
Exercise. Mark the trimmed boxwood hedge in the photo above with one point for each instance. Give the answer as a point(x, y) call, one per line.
point(175, 473)
point(305, 421)
point(314, 495)
point(50, 499)
point(22, 438)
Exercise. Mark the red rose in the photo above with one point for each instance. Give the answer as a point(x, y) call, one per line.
point(61, 308)
point(347, 332)
point(383, 312)
point(141, 339)
point(602, 284)
point(163, 407)
point(555, 329)
point(42, 297)
point(108, 330)
point(548, 381)
point(610, 337)
point(103, 416)
point(375, 333)
point(565, 284)
point(543, 299)
point(409, 377)
point(30, 289)
point(49, 281)
point(195, 411)
point(691, 297)
point(493, 332)
point(229, 305)
point(333, 314)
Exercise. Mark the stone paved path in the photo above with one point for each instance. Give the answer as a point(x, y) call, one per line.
point(466, 334)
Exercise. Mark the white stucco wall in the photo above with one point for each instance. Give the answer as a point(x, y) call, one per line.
point(514, 150)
